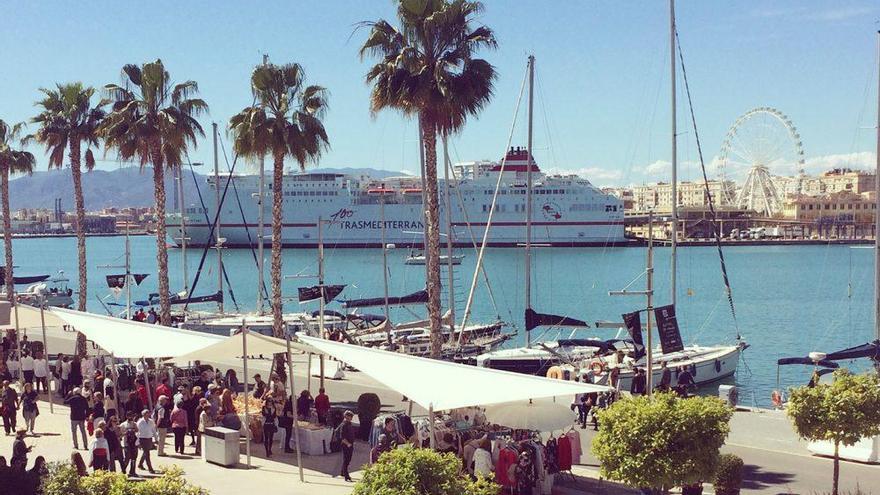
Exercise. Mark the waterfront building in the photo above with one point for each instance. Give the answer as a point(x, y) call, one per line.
point(838, 207)
point(658, 197)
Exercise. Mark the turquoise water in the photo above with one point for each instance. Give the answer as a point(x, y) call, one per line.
point(789, 299)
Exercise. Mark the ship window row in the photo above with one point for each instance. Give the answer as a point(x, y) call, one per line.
point(311, 193)
point(195, 210)
point(591, 207)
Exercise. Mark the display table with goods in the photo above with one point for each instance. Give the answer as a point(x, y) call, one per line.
point(314, 439)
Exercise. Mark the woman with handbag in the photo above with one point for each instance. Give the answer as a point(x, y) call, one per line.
point(270, 425)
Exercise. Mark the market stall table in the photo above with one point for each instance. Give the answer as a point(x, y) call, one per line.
point(314, 439)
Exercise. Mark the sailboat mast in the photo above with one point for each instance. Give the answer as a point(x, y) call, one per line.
point(385, 261)
point(219, 219)
point(877, 211)
point(261, 192)
point(321, 278)
point(528, 271)
point(180, 210)
point(128, 278)
point(449, 240)
point(674, 226)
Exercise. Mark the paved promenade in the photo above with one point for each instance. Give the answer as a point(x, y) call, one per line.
point(777, 462)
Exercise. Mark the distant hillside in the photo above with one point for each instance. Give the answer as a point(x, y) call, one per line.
point(118, 188)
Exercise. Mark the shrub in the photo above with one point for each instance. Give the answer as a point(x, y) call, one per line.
point(64, 480)
point(728, 477)
point(662, 441)
point(369, 406)
point(420, 472)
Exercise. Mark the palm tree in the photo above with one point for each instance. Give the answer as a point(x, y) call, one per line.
point(426, 69)
point(154, 121)
point(284, 121)
point(13, 160)
point(68, 121)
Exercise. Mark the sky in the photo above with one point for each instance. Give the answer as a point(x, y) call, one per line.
point(602, 93)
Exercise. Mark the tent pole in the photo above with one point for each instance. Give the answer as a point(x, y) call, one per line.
point(17, 337)
point(247, 422)
point(431, 423)
point(46, 349)
point(308, 375)
point(293, 407)
point(409, 413)
point(147, 382)
point(321, 358)
point(120, 406)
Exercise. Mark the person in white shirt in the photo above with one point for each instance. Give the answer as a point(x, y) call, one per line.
point(483, 460)
point(12, 365)
point(41, 372)
point(147, 432)
point(65, 375)
point(27, 367)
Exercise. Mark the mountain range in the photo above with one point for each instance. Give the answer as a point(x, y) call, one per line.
point(120, 188)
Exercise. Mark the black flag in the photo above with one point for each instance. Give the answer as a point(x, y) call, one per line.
point(633, 322)
point(118, 281)
point(667, 327)
point(313, 293)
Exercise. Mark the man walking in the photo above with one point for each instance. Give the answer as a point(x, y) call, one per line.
point(41, 372)
point(346, 440)
point(130, 443)
point(146, 433)
point(79, 412)
point(27, 366)
point(162, 417)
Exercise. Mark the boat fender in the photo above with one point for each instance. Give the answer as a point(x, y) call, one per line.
point(554, 372)
point(717, 366)
point(598, 367)
point(776, 398)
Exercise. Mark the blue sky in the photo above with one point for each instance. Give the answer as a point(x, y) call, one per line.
point(602, 98)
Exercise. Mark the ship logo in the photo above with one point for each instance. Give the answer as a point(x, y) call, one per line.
point(551, 211)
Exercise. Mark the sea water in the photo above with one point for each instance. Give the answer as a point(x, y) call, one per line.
point(788, 300)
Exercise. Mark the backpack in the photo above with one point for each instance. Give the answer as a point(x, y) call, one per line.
point(131, 438)
point(336, 439)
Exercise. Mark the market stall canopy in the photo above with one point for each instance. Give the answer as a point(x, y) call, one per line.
point(132, 339)
point(229, 349)
point(446, 385)
point(29, 318)
point(544, 416)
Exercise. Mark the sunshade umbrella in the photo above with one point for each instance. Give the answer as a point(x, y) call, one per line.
point(544, 416)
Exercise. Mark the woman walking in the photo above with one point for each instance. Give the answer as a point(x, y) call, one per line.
point(203, 412)
point(29, 409)
point(179, 425)
point(270, 425)
point(100, 452)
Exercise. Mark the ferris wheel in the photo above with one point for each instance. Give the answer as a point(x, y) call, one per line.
point(759, 142)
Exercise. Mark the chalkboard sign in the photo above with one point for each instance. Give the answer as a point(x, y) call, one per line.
point(633, 324)
point(667, 327)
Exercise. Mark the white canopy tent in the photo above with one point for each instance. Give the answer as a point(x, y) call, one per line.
point(132, 339)
point(230, 348)
point(441, 385)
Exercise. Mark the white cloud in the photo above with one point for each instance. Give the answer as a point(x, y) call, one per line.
point(658, 168)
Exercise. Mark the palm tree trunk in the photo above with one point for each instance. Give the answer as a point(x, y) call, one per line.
point(7, 233)
point(277, 219)
point(76, 175)
point(432, 229)
point(161, 246)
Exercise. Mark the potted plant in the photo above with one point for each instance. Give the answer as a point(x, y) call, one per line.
point(728, 478)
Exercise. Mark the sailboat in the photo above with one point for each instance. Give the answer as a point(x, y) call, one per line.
point(541, 357)
point(707, 364)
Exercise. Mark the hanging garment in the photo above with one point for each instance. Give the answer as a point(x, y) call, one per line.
point(574, 437)
point(551, 461)
point(563, 454)
point(506, 459)
point(525, 473)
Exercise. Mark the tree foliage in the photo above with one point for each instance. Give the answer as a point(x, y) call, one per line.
point(420, 472)
point(13, 160)
point(840, 412)
point(661, 441)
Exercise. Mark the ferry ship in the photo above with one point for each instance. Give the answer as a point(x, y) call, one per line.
point(567, 210)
